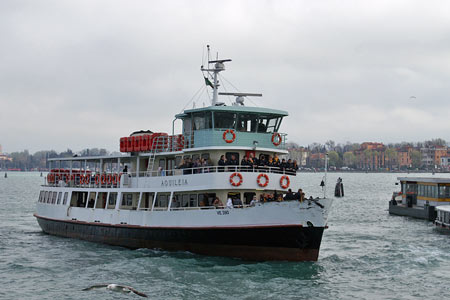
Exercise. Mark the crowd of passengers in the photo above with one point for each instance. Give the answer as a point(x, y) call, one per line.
point(236, 202)
point(261, 163)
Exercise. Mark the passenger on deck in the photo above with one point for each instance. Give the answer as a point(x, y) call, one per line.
point(283, 165)
point(229, 203)
point(254, 201)
point(222, 163)
point(197, 166)
point(217, 203)
point(91, 203)
point(289, 195)
point(175, 203)
point(245, 164)
point(232, 163)
point(125, 169)
point(237, 202)
point(294, 167)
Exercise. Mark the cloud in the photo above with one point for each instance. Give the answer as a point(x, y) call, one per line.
point(78, 74)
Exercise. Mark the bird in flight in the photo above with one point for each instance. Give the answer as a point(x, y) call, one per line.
point(116, 288)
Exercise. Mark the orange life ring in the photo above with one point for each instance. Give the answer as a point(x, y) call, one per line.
point(97, 179)
point(81, 179)
point(288, 181)
point(87, 178)
point(278, 137)
point(227, 132)
point(103, 178)
point(108, 179)
point(49, 178)
point(180, 142)
point(232, 182)
point(265, 183)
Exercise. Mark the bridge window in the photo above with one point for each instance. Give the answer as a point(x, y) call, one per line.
point(224, 120)
point(112, 200)
point(246, 123)
point(65, 198)
point(59, 198)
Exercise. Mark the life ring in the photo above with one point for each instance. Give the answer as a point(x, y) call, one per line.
point(67, 178)
point(232, 182)
point(81, 179)
point(97, 179)
point(87, 179)
point(103, 178)
point(276, 136)
point(265, 183)
point(108, 179)
point(227, 132)
point(288, 181)
point(49, 178)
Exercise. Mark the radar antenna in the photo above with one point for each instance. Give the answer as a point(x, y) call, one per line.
point(240, 97)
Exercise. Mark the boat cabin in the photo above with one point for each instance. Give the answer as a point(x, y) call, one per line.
point(419, 191)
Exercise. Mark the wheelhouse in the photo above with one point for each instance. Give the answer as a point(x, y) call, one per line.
point(246, 126)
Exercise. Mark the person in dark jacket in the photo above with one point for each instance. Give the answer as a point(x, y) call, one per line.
point(231, 163)
point(222, 163)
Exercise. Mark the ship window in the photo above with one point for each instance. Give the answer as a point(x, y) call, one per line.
point(162, 200)
point(229, 154)
point(127, 199)
point(193, 202)
point(65, 198)
point(246, 123)
point(101, 200)
point(248, 197)
point(187, 126)
point(40, 196)
point(54, 197)
point(59, 198)
point(46, 197)
point(178, 161)
point(202, 120)
point(146, 201)
point(235, 197)
point(195, 157)
point(205, 156)
point(185, 200)
point(112, 200)
point(224, 120)
point(206, 199)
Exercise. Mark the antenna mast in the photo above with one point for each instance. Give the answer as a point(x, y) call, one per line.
point(219, 66)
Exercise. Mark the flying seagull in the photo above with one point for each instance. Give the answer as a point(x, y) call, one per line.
point(116, 288)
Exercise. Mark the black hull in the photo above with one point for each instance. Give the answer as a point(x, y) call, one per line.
point(291, 243)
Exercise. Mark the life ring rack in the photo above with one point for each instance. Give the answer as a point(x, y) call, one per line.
point(231, 131)
point(234, 183)
point(265, 183)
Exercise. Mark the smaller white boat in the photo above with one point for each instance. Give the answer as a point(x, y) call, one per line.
point(443, 216)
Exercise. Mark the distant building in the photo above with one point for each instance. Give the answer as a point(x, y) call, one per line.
point(445, 161)
point(1, 149)
point(431, 155)
point(404, 157)
point(371, 156)
point(300, 155)
point(316, 160)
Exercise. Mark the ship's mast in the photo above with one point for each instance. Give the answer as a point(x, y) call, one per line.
point(218, 67)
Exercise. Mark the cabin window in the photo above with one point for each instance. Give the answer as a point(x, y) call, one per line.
point(147, 200)
point(268, 123)
point(127, 199)
point(206, 199)
point(246, 123)
point(202, 120)
point(59, 198)
point(193, 201)
point(91, 202)
point(248, 196)
point(46, 197)
point(178, 160)
point(205, 156)
point(195, 157)
point(162, 200)
point(235, 198)
point(101, 200)
point(54, 197)
point(187, 126)
point(112, 200)
point(224, 120)
point(41, 193)
point(444, 192)
point(66, 194)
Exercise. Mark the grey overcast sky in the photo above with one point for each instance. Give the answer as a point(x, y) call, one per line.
point(81, 74)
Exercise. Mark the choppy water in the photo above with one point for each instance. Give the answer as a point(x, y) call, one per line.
point(365, 254)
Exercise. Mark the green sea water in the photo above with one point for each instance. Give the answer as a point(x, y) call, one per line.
point(365, 254)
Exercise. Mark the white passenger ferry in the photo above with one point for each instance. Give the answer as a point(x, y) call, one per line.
point(168, 191)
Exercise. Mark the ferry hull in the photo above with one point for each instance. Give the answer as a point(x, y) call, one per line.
point(290, 243)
